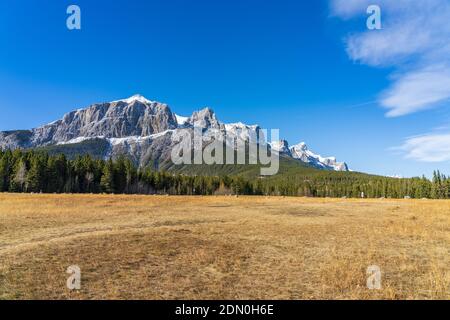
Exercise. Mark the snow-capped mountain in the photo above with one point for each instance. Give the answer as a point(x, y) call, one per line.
point(181, 120)
point(282, 146)
point(136, 97)
point(301, 152)
point(141, 129)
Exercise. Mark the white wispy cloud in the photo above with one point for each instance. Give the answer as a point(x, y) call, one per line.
point(418, 90)
point(348, 8)
point(414, 40)
point(427, 148)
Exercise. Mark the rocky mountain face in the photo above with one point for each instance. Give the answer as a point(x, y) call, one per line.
point(302, 153)
point(205, 118)
point(142, 130)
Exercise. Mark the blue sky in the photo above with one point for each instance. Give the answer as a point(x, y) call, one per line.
point(310, 68)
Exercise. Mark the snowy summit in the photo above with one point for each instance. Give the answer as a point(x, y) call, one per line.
point(136, 97)
point(181, 120)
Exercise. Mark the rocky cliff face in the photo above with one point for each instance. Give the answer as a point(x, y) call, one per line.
point(142, 130)
point(15, 139)
point(205, 118)
point(282, 147)
point(108, 120)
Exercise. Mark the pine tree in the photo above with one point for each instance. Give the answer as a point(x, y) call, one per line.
point(35, 179)
point(107, 180)
point(4, 172)
point(120, 178)
point(131, 175)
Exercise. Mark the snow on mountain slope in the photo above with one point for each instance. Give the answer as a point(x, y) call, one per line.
point(136, 97)
point(142, 129)
point(301, 152)
point(181, 120)
point(239, 126)
point(281, 146)
point(242, 131)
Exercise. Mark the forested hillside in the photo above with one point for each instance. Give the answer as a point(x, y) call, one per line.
point(37, 171)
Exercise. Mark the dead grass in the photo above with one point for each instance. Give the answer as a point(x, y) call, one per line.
point(161, 247)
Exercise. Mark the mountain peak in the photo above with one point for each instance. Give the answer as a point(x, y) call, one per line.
point(300, 146)
point(206, 111)
point(181, 120)
point(301, 152)
point(136, 97)
point(205, 118)
point(281, 146)
point(140, 129)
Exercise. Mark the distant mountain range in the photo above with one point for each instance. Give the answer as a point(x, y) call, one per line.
point(140, 129)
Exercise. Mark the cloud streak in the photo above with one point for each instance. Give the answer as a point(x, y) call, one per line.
point(415, 41)
point(418, 90)
point(427, 148)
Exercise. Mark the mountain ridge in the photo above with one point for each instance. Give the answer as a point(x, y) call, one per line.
point(142, 129)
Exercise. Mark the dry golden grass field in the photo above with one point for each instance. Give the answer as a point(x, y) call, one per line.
point(165, 247)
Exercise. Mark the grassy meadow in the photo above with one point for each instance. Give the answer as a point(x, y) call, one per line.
point(222, 247)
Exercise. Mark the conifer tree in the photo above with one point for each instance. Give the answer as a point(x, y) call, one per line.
point(107, 180)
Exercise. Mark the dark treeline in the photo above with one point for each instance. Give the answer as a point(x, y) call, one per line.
point(356, 185)
point(31, 171)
